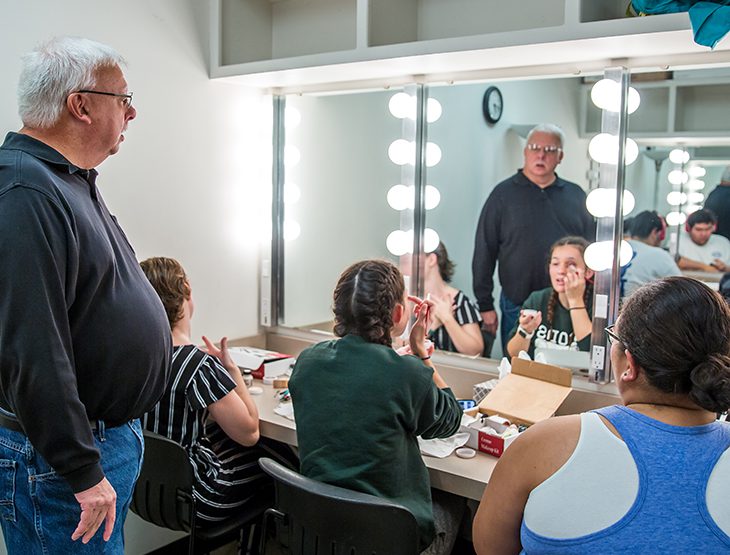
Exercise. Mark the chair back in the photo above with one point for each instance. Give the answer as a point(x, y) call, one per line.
point(322, 518)
point(164, 491)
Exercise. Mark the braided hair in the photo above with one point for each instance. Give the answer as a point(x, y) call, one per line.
point(581, 244)
point(364, 299)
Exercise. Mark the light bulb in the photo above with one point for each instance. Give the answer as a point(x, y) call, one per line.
point(598, 256)
point(601, 202)
point(433, 110)
point(291, 156)
point(399, 242)
point(696, 185)
point(402, 152)
point(433, 154)
point(430, 240)
point(292, 117)
point(606, 94)
point(433, 197)
point(679, 156)
point(603, 148)
point(677, 177)
point(689, 208)
point(675, 198)
point(695, 197)
point(402, 105)
point(292, 193)
point(697, 171)
point(400, 197)
point(292, 230)
point(676, 218)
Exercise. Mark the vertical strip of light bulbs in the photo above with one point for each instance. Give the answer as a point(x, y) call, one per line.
point(401, 152)
point(292, 156)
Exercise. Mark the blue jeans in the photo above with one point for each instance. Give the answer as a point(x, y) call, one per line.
point(510, 315)
point(38, 510)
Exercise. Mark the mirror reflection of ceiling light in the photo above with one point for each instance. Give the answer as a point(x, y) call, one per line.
point(601, 203)
point(606, 95)
point(695, 198)
point(603, 148)
point(676, 218)
point(598, 256)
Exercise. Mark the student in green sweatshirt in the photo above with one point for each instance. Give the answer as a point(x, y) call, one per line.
point(359, 406)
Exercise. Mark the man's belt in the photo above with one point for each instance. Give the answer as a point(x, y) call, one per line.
point(14, 425)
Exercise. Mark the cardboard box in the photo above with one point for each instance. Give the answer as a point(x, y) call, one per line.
point(261, 362)
point(531, 392)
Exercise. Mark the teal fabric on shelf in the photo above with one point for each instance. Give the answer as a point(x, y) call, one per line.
point(710, 19)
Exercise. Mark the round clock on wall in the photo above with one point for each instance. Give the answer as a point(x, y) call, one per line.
point(492, 105)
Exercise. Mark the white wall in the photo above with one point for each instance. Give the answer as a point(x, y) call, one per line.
point(192, 178)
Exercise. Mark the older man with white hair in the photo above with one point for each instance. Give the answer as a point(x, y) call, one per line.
point(522, 217)
point(84, 342)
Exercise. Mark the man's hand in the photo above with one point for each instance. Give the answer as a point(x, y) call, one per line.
point(719, 265)
point(98, 503)
point(491, 321)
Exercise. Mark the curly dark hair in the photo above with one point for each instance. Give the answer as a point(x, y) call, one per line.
point(446, 266)
point(364, 299)
point(678, 330)
point(168, 279)
point(581, 244)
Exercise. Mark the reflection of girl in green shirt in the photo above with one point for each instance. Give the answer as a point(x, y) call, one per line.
point(559, 316)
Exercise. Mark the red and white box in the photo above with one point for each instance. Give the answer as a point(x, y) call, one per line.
point(261, 362)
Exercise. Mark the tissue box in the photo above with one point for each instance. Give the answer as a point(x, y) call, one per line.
point(531, 392)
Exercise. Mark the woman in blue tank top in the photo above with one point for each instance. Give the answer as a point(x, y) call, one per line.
point(667, 489)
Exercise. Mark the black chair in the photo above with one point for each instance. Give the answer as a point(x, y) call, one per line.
point(321, 518)
point(164, 495)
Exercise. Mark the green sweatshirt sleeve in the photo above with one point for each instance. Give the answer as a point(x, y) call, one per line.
point(439, 415)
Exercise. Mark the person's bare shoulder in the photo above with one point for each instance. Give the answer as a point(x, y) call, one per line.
point(545, 447)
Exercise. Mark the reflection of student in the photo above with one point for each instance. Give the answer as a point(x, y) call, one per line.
point(456, 320)
point(649, 261)
point(359, 406)
point(563, 311)
point(700, 249)
point(719, 202)
point(207, 383)
point(667, 459)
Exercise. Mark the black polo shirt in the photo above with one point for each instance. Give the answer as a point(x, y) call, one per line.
point(519, 223)
point(82, 333)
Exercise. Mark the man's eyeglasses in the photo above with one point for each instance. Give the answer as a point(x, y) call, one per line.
point(549, 149)
point(126, 97)
point(612, 337)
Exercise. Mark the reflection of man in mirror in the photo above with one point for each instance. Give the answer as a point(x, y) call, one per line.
point(649, 261)
point(719, 202)
point(522, 217)
point(700, 249)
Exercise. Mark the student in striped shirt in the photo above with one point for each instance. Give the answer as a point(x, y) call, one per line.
point(456, 320)
point(207, 408)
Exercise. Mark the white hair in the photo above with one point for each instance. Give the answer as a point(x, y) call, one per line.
point(54, 70)
point(550, 129)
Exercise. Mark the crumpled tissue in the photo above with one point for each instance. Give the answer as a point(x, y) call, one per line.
point(442, 447)
point(285, 409)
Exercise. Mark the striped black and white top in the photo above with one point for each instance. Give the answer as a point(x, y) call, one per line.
point(465, 312)
point(227, 473)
